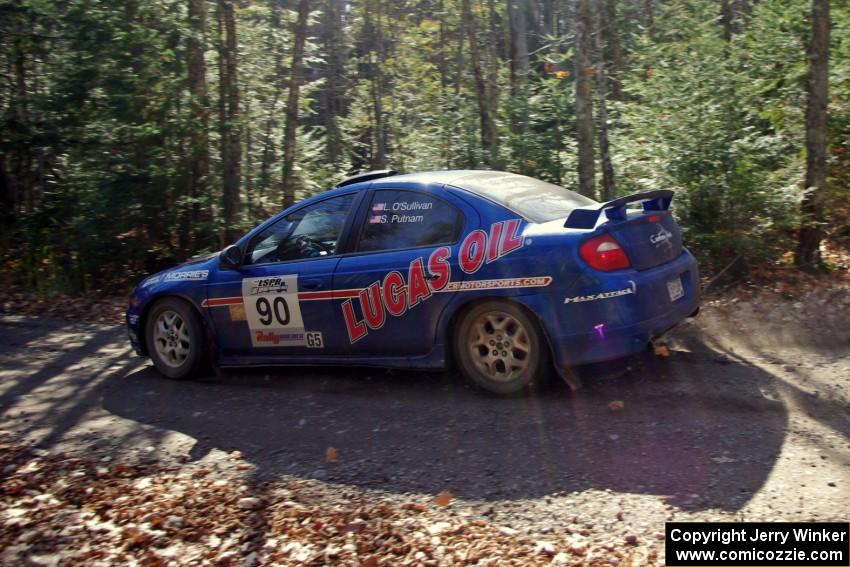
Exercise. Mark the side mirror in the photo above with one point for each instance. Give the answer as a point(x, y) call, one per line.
point(230, 258)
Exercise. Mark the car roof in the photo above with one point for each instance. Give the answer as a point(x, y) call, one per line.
point(518, 193)
point(443, 177)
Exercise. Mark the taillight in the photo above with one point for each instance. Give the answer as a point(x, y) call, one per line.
point(603, 253)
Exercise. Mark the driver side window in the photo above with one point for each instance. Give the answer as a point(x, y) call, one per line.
point(309, 232)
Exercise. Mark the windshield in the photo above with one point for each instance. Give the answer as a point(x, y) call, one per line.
point(536, 200)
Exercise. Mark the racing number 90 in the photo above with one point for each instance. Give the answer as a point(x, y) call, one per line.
point(271, 311)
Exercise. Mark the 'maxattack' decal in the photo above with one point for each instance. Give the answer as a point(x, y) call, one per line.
point(603, 295)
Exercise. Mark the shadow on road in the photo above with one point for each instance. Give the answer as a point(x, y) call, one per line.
point(699, 431)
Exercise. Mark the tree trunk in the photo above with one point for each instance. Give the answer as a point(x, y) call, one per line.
point(518, 48)
point(610, 35)
point(248, 163)
point(493, 59)
point(608, 184)
point(488, 131)
point(7, 196)
point(443, 64)
point(268, 139)
point(199, 156)
point(21, 164)
point(229, 118)
point(584, 101)
point(296, 72)
point(553, 14)
point(649, 16)
point(378, 158)
point(733, 13)
point(334, 92)
point(808, 249)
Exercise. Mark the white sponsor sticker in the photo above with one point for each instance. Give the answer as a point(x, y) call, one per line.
point(660, 237)
point(273, 312)
point(315, 340)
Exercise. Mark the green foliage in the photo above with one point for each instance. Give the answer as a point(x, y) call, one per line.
point(721, 123)
point(99, 127)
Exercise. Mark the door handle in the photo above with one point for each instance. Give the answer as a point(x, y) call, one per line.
point(432, 276)
point(311, 284)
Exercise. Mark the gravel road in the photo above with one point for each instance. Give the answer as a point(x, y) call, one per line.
point(747, 419)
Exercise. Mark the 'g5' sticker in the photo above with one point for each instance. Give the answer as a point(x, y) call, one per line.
point(272, 311)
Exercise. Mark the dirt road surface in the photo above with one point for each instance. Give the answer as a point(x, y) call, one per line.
point(747, 419)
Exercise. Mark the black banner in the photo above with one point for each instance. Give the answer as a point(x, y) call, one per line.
point(762, 544)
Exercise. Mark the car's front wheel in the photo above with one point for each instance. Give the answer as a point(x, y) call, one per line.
point(500, 348)
point(175, 339)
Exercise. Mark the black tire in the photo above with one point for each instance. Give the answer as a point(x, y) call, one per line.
point(501, 349)
point(179, 351)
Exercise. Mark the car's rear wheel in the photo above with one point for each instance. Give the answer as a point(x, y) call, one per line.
point(500, 348)
point(175, 339)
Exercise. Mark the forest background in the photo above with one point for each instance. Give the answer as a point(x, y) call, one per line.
point(138, 133)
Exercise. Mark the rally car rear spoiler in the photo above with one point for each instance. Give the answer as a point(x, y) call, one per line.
point(586, 217)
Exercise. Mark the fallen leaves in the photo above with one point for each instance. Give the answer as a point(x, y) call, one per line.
point(149, 515)
point(444, 498)
point(331, 455)
point(95, 306)
point(661, 350)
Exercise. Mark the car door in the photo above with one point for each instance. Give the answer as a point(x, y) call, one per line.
point(398, 276)
point(279, 302)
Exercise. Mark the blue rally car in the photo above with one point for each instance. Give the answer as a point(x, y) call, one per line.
point(505, 275)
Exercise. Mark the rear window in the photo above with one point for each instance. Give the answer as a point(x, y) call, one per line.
point(535, 200)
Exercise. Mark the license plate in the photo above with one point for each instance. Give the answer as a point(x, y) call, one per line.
point(675, 289)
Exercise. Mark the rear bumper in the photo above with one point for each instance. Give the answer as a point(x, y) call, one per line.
point(608, 327)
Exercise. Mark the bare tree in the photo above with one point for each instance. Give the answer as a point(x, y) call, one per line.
point(610, 36)
point(333, 96)
point(649, 16)
point(808, 249)
point(584, 100)
point(296, 72)
point(231, 159)
point(608, 185)
point(488, 130)
point(199, 152)
point(518, 45)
